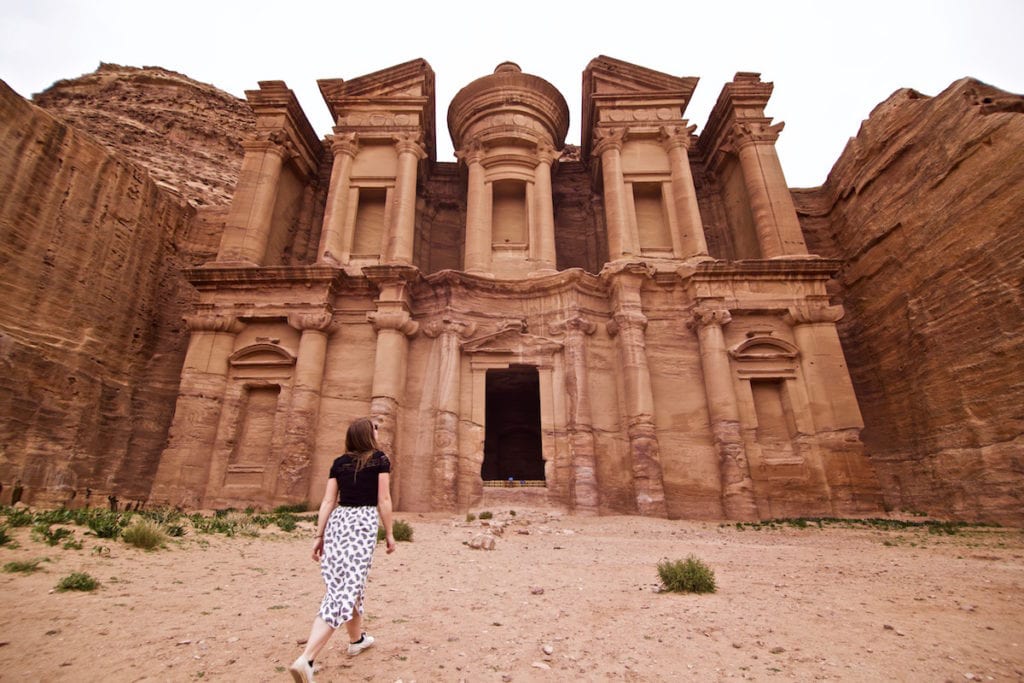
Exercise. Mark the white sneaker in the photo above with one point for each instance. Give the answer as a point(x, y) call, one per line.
point(356, 648)
point(301, 671)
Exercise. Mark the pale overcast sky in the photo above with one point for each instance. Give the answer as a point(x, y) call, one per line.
point(831, 62)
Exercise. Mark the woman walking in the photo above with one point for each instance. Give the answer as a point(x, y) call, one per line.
point(346, 534)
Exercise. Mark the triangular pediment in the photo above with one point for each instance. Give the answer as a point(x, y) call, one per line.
point(610, 76)
point(513, 341)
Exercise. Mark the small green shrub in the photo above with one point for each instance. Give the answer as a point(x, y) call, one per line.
point(687, 576)
point(77, 581)
point(23, 566)
point(486, 515)
point(18, 517)
point(106, 524)
point(145, 534)
point(512, 513)
point(402, 531)
point(470, 517)
point(72, 544)
point(4, 536)
point(44, 534)
point(175, 530)
point(286, 521)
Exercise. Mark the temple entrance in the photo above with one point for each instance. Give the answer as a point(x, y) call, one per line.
point(512, 444)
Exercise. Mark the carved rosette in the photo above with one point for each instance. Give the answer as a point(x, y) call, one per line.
point(394, 320)
point(210, 322)
point(608, 139)
point(680, 136)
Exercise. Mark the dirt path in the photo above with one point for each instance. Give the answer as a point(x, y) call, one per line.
point(845, 604)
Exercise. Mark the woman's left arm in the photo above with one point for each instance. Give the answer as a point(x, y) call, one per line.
point(384, 508)
point(327, 506)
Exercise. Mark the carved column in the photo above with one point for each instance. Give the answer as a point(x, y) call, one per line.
point(775, 220)
point(335, 239)
point(403, 224)
point(394, 325)
point(628, 326)
point(477, 257)
point(300, 477)
point(690, 240)
point(737, 487)
point(621, 240)
point(184, 466)
point(544, 247)
point(584, 492)
point(247, 231)
point(444, 491)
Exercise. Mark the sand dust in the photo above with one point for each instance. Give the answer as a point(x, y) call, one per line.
point(854, 604)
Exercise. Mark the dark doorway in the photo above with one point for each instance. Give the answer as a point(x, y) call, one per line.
point(512, 445)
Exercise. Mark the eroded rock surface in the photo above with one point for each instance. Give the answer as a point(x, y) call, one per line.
point(188, 134)
point(924, 206)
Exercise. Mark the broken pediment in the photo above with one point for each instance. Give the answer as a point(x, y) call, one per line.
point(512, 339)
point(609, 76)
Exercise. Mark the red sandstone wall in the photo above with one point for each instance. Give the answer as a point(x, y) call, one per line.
point(91, 296)
point(925, 206)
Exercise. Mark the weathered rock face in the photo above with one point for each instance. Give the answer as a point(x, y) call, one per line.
point(924, 207)
point(92, 295)
point(188, 134)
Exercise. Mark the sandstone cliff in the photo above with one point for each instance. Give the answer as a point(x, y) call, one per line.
point(925, 207)
point(91, 298)
point(188, 134)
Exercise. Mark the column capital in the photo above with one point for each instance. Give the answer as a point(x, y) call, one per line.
point(634, 268)
point(459, 328)
point(212, 322)
point(546, 153)
point(745, 133)
point(626, 320)
point(607, 139)
point(344, 143)
point(409, 143)
point(677, 136)
point(810, 312)
point(704, 315)
point(393, 319)
point(472, 153)
point(311, 320)
point(273, 141)
point(576, 323)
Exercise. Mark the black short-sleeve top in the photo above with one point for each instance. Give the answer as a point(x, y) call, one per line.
point(357, 489)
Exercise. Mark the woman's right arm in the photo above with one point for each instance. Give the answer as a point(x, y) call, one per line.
point(327, 506)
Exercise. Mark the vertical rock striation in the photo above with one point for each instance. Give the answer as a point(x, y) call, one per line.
point(925, 208)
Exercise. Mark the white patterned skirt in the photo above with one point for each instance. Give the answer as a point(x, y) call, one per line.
point(349, 540)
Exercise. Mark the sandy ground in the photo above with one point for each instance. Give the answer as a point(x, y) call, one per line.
point(805, 604)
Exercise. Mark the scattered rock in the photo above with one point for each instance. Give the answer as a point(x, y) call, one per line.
point(777, 650)
point(548, 650)
point(537, 590)
point(541, 665)
point(482, 542)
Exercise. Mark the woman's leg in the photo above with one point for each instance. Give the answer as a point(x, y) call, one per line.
point(319, 634)
point(354, 626)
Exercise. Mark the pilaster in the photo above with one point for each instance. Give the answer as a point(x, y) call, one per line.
point(584, 491)
point(688, 239)
point(622, 243)
point(400, 235)
point(737, 486)
point(628, 325)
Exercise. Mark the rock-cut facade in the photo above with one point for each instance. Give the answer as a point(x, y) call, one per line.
point(631, 324)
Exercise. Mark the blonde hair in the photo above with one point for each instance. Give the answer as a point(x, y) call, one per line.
point(361, 441)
